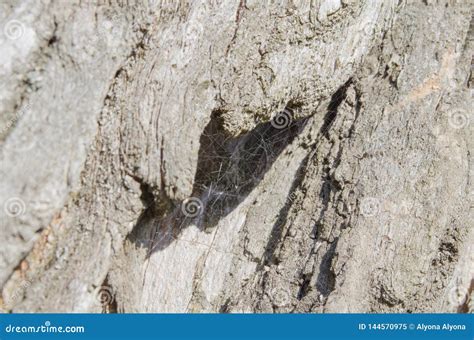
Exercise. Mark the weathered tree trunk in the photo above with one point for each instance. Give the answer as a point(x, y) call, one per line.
point(225, 156)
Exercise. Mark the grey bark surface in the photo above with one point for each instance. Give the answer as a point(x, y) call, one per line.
point(236, 156)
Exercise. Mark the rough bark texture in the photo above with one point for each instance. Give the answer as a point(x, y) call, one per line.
point(226, 156)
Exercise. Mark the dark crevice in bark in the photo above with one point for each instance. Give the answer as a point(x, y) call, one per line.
point(278, 228)
point(238, 17)
point(326, 277)
point(336, 99)
point(147, 197)
point(54, 39)
point(276, 234)
point(225, 307)
point(330, 193)
point(358, 108)
point(305, 286)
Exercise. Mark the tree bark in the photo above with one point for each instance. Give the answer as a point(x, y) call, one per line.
point(236, 156)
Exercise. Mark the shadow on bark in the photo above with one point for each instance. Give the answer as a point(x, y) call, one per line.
point(228, 169)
